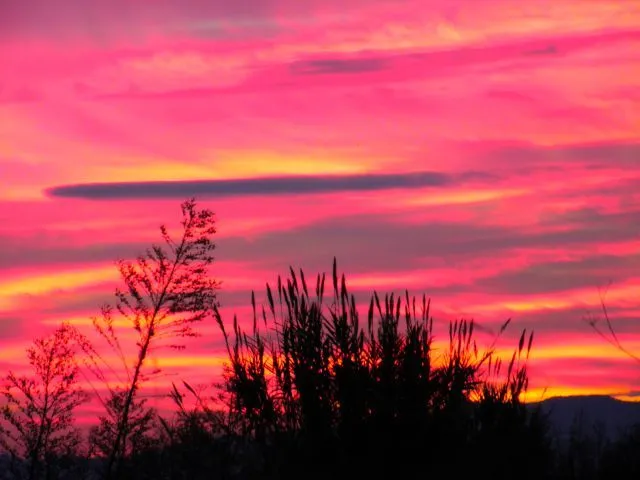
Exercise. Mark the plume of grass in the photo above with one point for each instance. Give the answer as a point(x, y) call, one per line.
point(337, 393)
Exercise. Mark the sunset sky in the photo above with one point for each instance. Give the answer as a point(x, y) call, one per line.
point(485, 152)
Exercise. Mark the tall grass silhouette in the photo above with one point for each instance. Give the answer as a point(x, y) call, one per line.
point(324, 391)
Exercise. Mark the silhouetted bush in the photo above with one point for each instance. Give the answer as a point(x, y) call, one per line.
point(317, 391)
point(36, 419)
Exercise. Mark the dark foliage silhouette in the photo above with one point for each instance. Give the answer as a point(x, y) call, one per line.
point(37, 417)
point(140, 423)
point(166, 291)
point(317, 391)
point(622, 458)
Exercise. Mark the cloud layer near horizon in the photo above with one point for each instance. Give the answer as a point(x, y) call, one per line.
point(484, 152)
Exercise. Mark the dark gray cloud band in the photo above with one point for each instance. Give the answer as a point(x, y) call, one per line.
point(256, 186)
point(339, 65)
point(592, 155)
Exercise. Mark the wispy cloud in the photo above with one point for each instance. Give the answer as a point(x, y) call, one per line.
point(548, 50)
point(338, 65)
point(602, 154)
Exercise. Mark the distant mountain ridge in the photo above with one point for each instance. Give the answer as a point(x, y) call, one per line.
point(590, 412)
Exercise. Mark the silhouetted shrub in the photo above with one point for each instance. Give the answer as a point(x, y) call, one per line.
point(319, 393)
point(36, 420)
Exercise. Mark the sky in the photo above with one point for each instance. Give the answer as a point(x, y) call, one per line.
point(484, 152)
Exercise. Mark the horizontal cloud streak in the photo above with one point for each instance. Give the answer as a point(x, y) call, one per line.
point(405, 241)
point(620, 154)
point(254, 186)
point(338, 65)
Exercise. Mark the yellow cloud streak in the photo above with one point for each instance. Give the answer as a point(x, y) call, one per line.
point(596, 350)
point(563, 300)
point(42, 284)
point(231, 165)
point(464, 197)
point(13, 353)
point(118, 322)
point(541, 393)
point(190, 361)
point(264, 163)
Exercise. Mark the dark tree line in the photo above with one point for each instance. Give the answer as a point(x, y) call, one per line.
point(314, 388)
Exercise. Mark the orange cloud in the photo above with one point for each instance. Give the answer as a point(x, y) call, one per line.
point(40, 284)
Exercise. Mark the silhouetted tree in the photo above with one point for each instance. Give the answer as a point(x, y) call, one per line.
point(140, 422)
point(37, 418)
point(195, 442)
point(166, 291)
